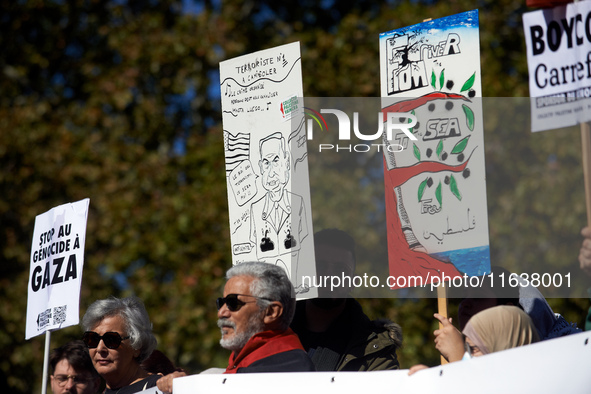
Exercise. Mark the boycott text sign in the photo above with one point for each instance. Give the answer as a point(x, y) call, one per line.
point(559, 59)
point(57, 258)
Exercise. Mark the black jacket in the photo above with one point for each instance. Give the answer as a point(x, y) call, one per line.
point(352, 343)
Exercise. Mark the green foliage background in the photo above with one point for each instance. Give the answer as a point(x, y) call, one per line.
point(89, 107)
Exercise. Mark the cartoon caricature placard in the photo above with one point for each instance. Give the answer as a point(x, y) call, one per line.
point(435, 182)
point(266, 166)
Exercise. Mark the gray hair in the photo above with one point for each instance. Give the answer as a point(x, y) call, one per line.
point(270, 282)
point(135, 317)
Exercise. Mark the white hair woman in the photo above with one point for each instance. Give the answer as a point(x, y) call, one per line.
point(119, 338)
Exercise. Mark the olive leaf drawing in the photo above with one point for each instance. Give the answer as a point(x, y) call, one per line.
point(441, 79)
point(469, 116)
point(460, 146)
point(469, 83)
point(438, 194)
point(415, 128)
point(422, 188)
point(433, 79)
point(439, 148)
point(453, 186)
point(416, 151)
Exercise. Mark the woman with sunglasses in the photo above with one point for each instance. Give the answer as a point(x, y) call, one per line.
point(119, 338)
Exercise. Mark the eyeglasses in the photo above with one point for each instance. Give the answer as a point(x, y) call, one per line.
point(78, 380)
point(233, 303)
point(112, 340)
point(470, 350)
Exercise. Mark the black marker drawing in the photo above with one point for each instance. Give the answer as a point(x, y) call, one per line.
point(268, 198)
point(278, 219)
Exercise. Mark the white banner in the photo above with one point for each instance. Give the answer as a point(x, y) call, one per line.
point(57, 259)
point(553, 366)
point(558, 44)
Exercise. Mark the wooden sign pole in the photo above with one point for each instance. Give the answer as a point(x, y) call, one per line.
point(442, 308)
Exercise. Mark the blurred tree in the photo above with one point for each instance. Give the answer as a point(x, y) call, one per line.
point(118, 101)
point(109, 100)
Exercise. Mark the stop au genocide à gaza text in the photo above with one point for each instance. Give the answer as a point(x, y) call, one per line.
point(49, 247)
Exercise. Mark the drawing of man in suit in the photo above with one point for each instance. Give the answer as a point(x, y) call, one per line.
point(278, 219)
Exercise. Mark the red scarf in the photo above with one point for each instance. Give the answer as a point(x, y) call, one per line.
point(261, 345)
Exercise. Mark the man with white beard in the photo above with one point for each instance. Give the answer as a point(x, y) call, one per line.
point(254, 316)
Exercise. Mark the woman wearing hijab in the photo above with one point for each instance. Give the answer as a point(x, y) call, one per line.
point(499, 328)
point(494, 329)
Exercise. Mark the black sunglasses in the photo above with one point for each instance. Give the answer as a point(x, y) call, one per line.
point(233, 303)
point(112, 340)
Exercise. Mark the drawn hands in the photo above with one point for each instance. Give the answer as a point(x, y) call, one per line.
point(448, 340)
point(266, 243)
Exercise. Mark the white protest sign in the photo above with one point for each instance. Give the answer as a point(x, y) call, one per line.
point(266, 161)
point(57, 259)
point(558, 44)
point(434, 174)
point(551, 366)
